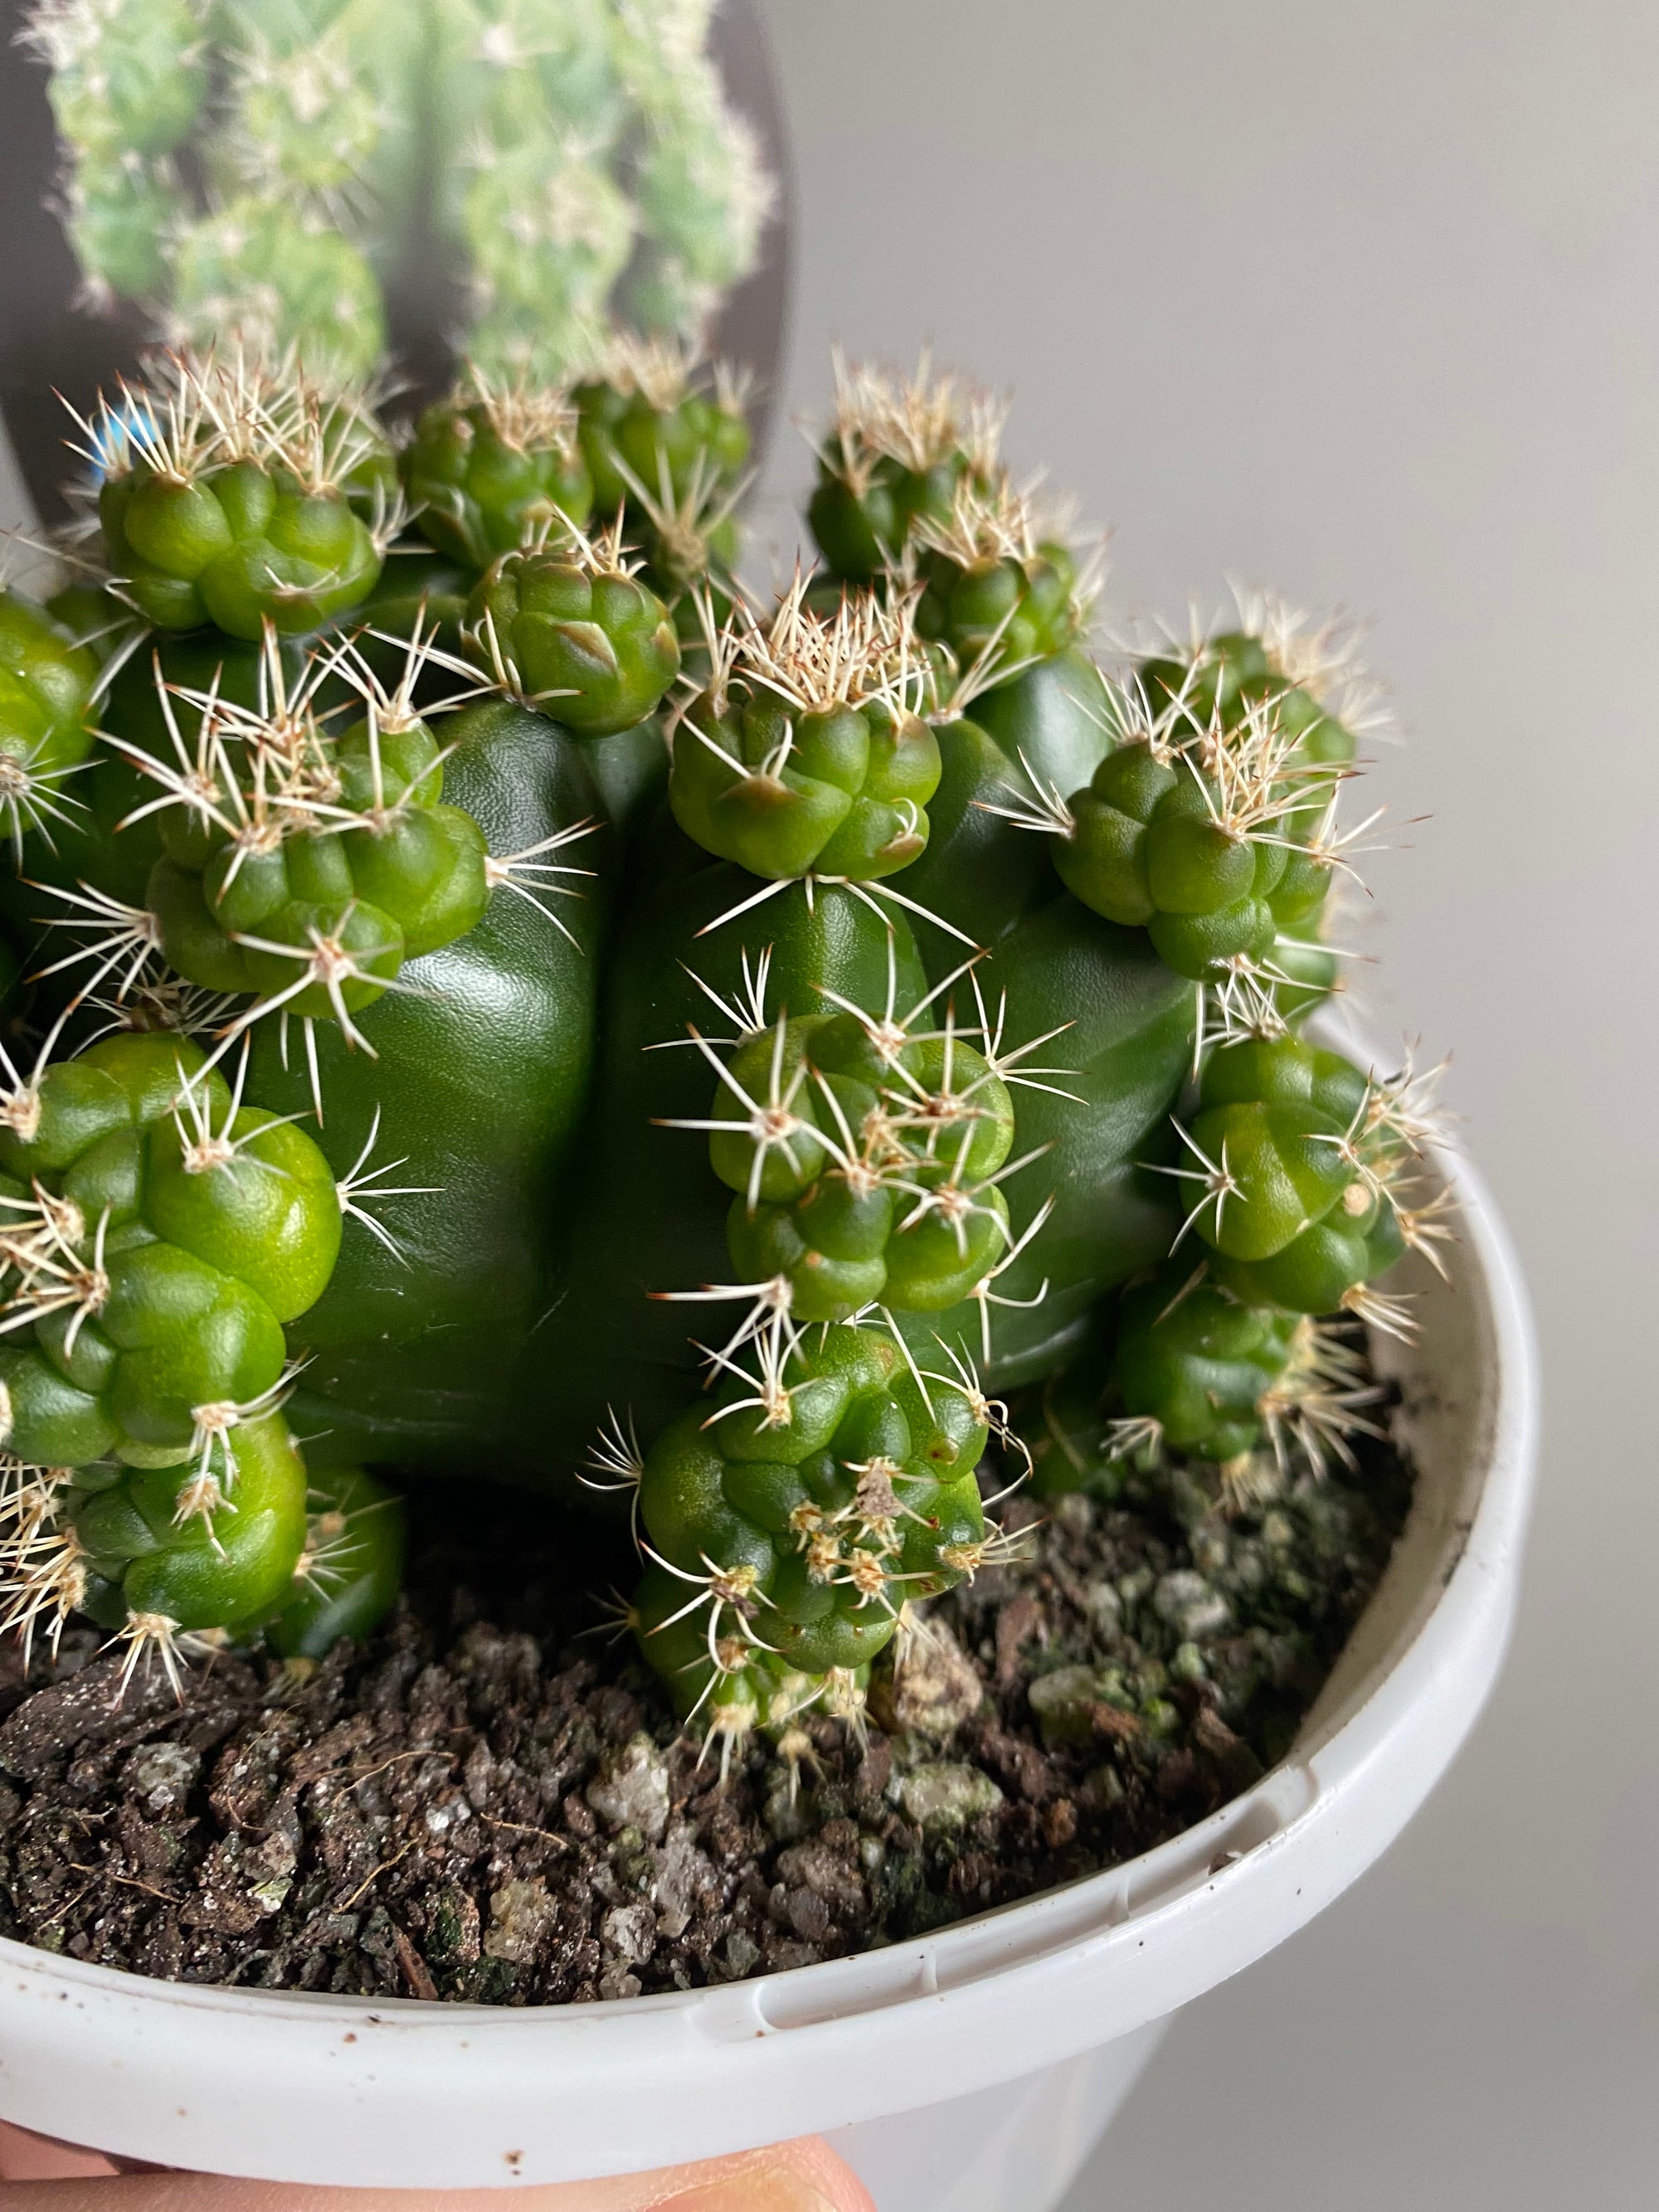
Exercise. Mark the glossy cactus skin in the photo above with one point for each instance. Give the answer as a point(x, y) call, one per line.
point(803, 1525)
point(620, 1343)
point(883, 1190)
point(1104, 1030)
point(1298, 1150)
point(1024, 603)
point(1199, 1362)
point(577, 635)
point(1152, 846)
point(46, 682)
point(202, 1572)
point(485, 471)
point(422, 1351)
point(842, 790)
point(241, 900)
point(162, 1234)
point(236, 547)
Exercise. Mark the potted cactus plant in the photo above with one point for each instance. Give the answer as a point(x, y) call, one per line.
point(835, 1101)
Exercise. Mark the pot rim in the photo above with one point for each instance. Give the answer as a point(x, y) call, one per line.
point(213, 2077)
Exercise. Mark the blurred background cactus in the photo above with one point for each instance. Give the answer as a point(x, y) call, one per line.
point(268, 165)
point(511, 181)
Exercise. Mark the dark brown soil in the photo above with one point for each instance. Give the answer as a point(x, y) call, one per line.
point(486, 1804)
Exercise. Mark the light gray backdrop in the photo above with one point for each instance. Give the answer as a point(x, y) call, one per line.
point(1364, 301)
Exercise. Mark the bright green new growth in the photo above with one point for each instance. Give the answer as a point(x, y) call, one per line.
point(158, 1236)
point(789, 1526)
point(303, 863)
point(494, 467)
point(228, 493)
point(1197, 1371)
point(46, 687)
point(867, 1155)
point(1193, 832)
point(898, 456)
point(151, 1559)
point(567, 627)
point(806, 755)
point(1302, 1164)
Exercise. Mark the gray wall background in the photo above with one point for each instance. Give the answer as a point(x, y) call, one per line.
point(1365, 302)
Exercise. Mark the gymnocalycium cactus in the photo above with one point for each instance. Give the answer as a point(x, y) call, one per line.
point(806, 755)
point(224, 495)
point(788, 1526)
point(512, 984)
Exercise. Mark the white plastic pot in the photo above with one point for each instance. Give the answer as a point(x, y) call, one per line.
point(967, 2072)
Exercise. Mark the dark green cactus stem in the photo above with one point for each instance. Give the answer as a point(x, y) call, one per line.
point(350, 1570)
point(226, 496)
point(1301, 1164)
point(806, 755)
point(655, 425)
point(897, 455)
point(568, 628)
point(788, 1526)
point(491, 468)
point(46, 686)
point(159, 1234)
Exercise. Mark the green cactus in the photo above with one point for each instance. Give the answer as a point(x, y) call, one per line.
point(569, 626)
point(657, 426)
point(46, 686)
point(898, 453)
point(489, 469)
point(349, 1571)
point(1193, 1372)
point(225, 497)
point(138, 1555)
point(1302, 1163)
point(996, 590)
point(1308, 673)
point(126, 75)
point(118, 213)
point(275, 273)
point(578, 155)
point(789, 1525)
point(161, 1234)
point(937, 1089)
point(806, 755)
point(867, 1163)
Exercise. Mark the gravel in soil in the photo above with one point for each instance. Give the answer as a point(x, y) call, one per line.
point(490, 1801)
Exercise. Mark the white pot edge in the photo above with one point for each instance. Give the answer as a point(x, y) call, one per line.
point(307, 2088)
